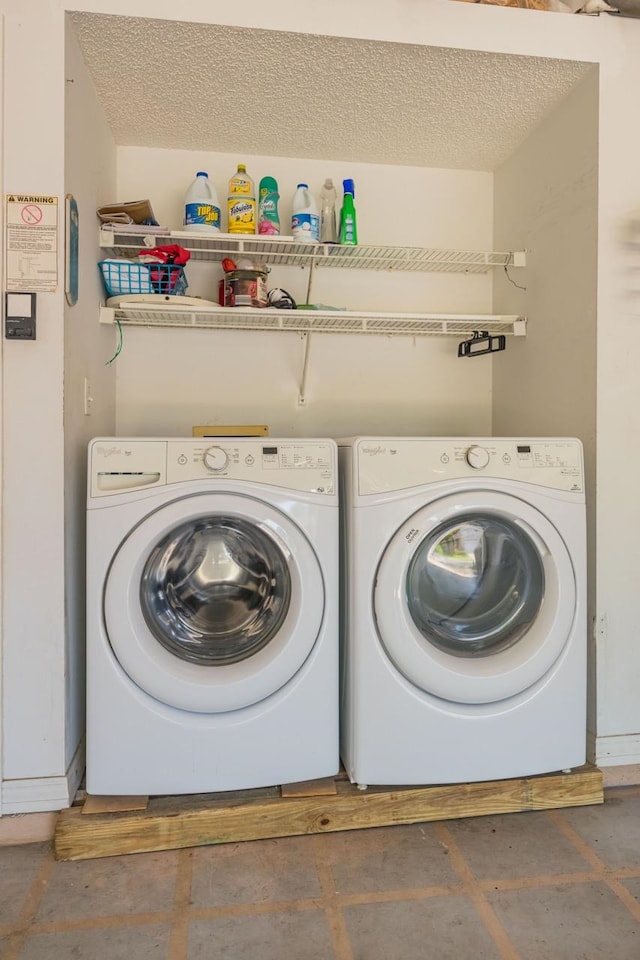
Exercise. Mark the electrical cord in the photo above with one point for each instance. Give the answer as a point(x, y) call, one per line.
point(281, 299)
point(512, 281)
point(118, 349)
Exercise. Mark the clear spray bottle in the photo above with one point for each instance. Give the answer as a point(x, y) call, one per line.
point(328, 203)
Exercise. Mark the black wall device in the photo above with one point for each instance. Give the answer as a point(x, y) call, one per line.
point(20, 316)
point(482, 342)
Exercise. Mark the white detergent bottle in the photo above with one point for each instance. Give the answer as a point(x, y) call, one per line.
point(201, 206)
point(305, 218)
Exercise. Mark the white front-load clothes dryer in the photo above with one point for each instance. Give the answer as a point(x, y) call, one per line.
point(212, 614)
point(463, 608)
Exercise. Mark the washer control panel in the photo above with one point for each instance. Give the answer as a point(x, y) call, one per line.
point(215, 459)
point(385, 464)
point(117, 465)
point(477, 457)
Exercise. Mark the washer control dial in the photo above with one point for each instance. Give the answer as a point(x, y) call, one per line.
point(477, 457)
point(215, 459)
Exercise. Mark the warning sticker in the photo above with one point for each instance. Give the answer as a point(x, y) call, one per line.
point(32, 243)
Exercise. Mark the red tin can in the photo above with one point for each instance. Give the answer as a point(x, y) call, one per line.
point(243, 288)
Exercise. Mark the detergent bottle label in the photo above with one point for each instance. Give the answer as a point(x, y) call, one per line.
point(202, 213)
point(306, 226)
point(268, 219)
point(242, 215)
point(240, 186)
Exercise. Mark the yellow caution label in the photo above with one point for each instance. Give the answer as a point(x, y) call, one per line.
point(28, 198)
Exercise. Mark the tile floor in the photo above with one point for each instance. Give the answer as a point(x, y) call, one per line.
point(553, 885)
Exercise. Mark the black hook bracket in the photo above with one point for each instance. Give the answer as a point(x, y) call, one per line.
point(482, 342)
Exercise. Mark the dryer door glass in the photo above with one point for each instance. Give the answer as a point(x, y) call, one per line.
point(475, 585)
point(215, 590)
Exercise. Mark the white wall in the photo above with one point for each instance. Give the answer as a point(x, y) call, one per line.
point(2, 284)
point(90, 172)
point(168, 380)
point(33, 517)
point(618, 425)
point(546, 199)
point(613, 43)
point(431, 22)
point(33, 471)
point(43, 486)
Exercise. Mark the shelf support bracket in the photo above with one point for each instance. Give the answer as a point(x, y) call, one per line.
point(305, 366)
point(309, 281)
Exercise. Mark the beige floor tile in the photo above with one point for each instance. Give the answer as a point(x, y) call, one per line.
point(389, 893)
point(583, 921)
point(140, 883)
point(633, 886)
point(303, 935)
point(515, 845)
point(254, 872)
point(387, 858)
point(18, 868)
point(439, 928)
point(148, 942)
point(611, 830)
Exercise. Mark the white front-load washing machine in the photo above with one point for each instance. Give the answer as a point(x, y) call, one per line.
point(463, 616)
point(212, 614)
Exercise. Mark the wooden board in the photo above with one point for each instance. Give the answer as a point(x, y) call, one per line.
point(238, 430)
point(104, 804)
point(171, 823)
point(310, 788)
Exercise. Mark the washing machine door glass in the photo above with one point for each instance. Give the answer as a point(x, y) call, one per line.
point(475, 584)
point(216, 590)
point(475, 597)
point(213, 602)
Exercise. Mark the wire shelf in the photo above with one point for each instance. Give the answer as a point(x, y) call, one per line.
point(310, 321)
point(284, 251)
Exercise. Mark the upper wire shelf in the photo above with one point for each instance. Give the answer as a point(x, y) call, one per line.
point(284, 251)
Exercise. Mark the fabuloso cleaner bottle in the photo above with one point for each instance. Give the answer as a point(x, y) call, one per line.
point(348, 225)
point(241, 202)
point(201, 207)
point(305, 219)
point(268, 218)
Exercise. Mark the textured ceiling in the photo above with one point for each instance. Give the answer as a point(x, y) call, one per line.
point(234, 90)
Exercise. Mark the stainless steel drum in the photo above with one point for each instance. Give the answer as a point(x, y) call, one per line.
point(215, 590)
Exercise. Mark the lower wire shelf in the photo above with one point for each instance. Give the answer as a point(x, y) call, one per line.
point(311, 321)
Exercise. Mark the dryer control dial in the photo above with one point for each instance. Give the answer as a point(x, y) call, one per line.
point(215, 459)
point(477, 457)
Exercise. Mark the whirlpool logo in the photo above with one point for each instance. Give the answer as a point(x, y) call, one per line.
point(112, 452)
point(375, 451)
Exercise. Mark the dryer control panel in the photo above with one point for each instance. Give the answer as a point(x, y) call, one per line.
point(120, 464)
point(386, 464)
